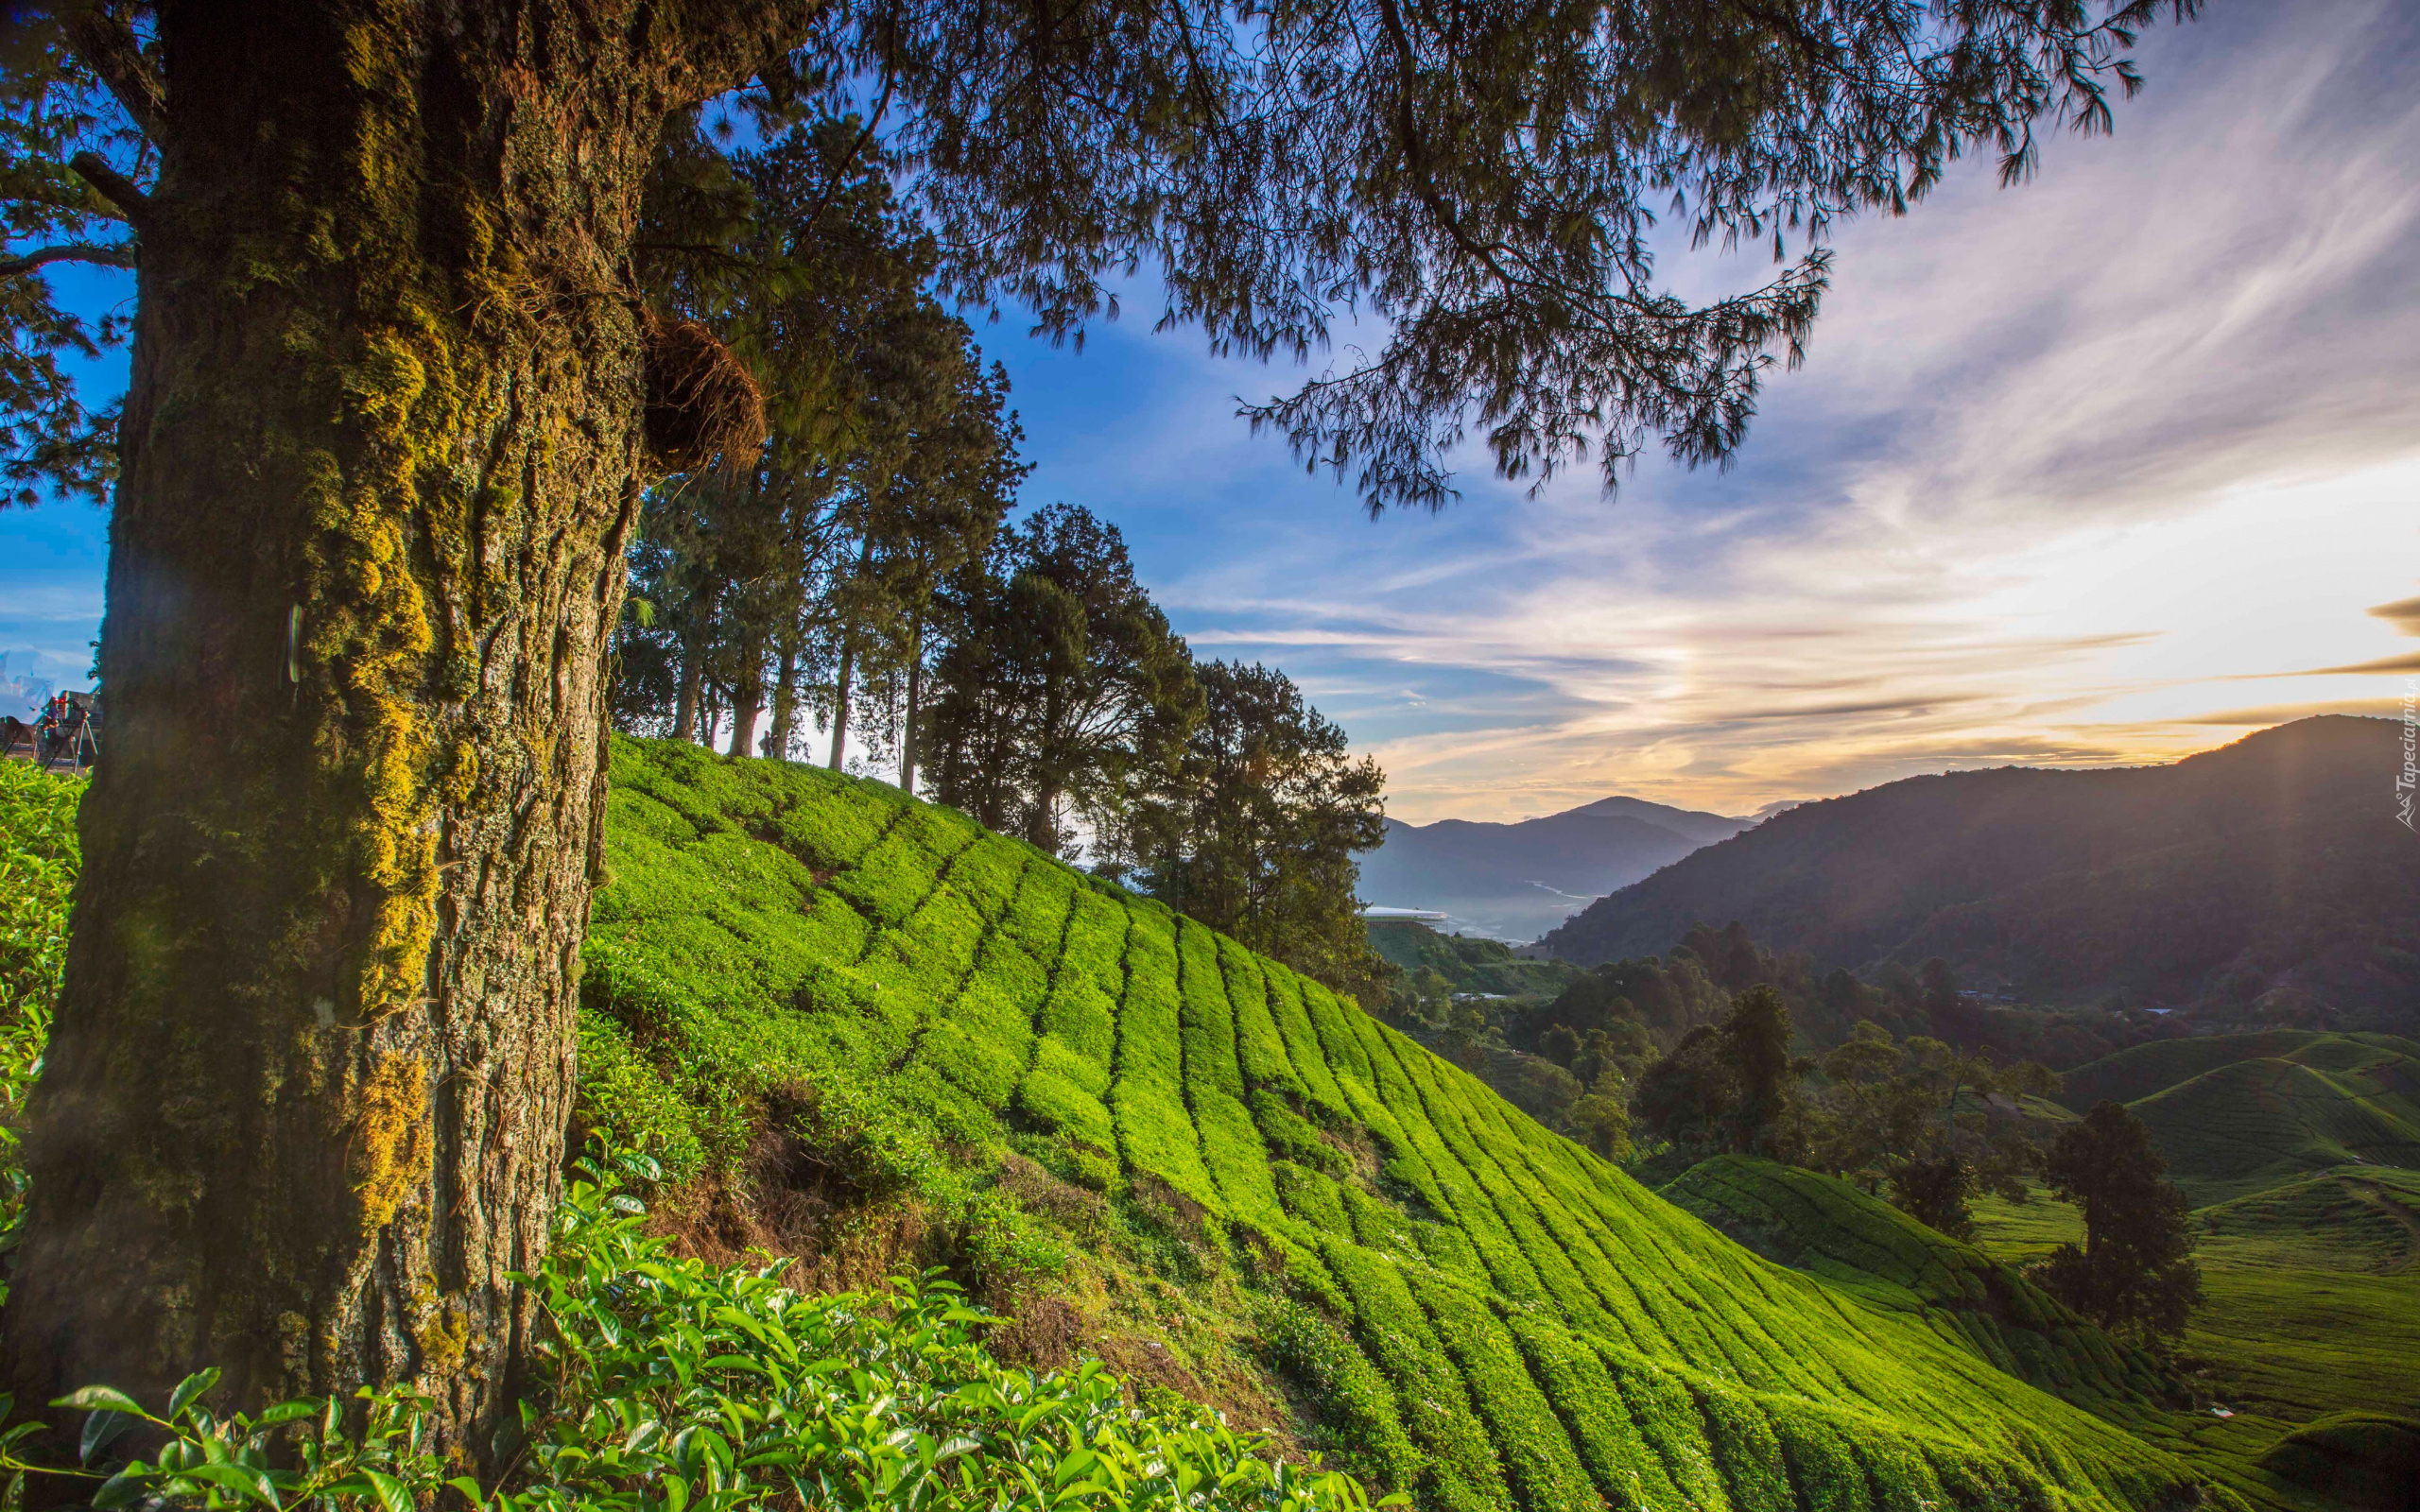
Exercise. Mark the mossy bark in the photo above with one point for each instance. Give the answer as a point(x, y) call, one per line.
point(305, 1103)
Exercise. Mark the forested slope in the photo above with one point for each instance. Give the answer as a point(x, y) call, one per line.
point(896, 1034)
point(2268, 866)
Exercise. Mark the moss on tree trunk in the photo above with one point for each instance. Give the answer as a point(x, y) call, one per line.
point(305, 1105)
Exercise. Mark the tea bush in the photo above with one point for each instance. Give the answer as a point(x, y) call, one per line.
point(669, 1384)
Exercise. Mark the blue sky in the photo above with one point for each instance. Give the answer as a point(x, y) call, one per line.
point(2105, 469)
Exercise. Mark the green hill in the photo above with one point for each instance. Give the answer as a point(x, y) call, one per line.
point(2350, 1219)
point(1863, 1246)
point(2362, 1459)
point(2251, 1125)
point(870, 1032)
point(2142, 1069)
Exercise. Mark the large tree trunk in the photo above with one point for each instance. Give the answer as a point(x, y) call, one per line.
point(305, 1101)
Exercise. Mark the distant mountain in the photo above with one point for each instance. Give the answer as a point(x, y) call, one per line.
point(1517, 881)
point(2269, 874)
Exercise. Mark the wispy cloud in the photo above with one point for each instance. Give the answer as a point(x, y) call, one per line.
point(2065, 462)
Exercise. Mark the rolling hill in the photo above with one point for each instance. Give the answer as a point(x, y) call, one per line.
point(865, 1031)
point(2238, 1114)
point(2272, 866)
point(2140, 1071)
point(1518, 880)
point(1869, 1248)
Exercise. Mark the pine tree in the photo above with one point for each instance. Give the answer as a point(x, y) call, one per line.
point(1258, 834)
point(2134, 1274)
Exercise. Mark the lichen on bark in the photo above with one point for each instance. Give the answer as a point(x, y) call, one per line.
point(303, 1110)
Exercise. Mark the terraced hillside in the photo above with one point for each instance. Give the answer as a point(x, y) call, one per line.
point(2313, 1309)
point(2140, 1071)
point(2236, 1114)
point(1865, 1246)
point(889, 1033)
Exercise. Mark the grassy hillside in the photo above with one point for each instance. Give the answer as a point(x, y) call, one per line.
point(2313, 1303)
point(2236, 1114)
point(2250, 1125)
point(2363, 1459)
point(2142, 1069)
point(1863, 1246)
point(2259, 875)
point(870, 1031)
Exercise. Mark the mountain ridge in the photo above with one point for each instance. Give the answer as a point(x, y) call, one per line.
point(1521, 879)
point(2273, 863)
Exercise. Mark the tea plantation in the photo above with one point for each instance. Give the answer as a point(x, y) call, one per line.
point(2238, 1114)
point(1863, 1245)
point(866, 1028)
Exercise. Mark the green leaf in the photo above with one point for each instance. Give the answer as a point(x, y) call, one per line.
point(243, 1480)
point(101, 1398)
point(285, 1412)
point(189, 1388)
point(123, 1489)
point(100, 1429)
point(391, 1495)
point(469, 1486)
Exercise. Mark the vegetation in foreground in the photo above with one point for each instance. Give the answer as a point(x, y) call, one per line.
point(668, 1383)
point(663, 1381)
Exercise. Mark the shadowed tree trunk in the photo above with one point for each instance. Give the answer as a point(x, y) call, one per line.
point(748, 699)
point(915, 692)
point(305, 1101)
point(841, 696)
point(785, 731)
point(693, 665)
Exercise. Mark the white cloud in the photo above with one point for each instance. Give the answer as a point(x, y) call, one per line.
point(2065, 461)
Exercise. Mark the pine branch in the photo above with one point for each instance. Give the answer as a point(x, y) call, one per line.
point(114, 187)
point(107, 254)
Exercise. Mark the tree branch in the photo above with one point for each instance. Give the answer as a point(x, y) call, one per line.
point(110, 255)
point(107, 45)
point(114, 187)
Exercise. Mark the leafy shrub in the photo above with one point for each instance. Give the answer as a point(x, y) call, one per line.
point(38, 858)
point(670, 1384)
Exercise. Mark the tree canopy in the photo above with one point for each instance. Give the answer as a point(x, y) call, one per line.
point(2134, 1273)
point(1490, 188)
